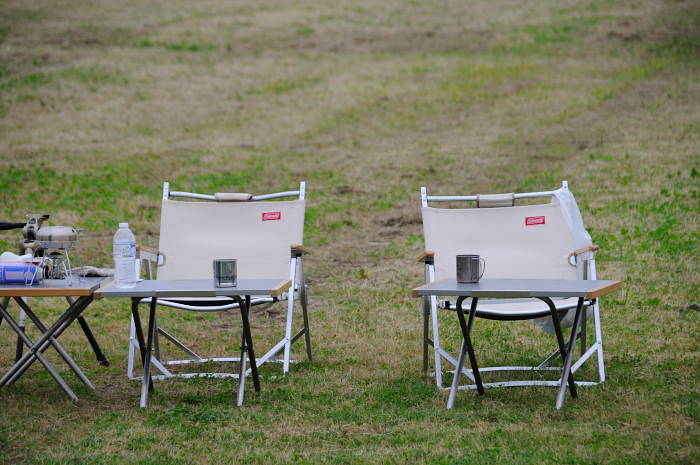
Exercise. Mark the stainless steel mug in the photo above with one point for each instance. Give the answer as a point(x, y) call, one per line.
point(470, 268)
point(225, 272)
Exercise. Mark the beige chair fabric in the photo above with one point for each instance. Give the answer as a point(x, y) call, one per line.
point(257, 234)
point(515, 242)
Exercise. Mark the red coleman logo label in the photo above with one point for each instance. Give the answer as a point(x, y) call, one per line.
point(533, 220)
point(272, 216)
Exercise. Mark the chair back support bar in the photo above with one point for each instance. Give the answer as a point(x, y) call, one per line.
point(227, 197)
point(475, 198)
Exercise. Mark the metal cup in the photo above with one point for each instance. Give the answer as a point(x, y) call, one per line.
point(225, 272)
point(470, 268)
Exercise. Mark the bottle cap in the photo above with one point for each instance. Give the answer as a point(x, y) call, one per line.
point(123, 225)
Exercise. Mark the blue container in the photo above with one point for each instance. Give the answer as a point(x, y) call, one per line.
point(20, 273)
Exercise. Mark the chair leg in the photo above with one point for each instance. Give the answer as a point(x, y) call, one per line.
point(437, 348)
point(426, 334)
point(305, 311)
point(288, 334)
point(304, 300)
point(599, 341)
point(290, 316)
point(297, 277)
point(590, 272)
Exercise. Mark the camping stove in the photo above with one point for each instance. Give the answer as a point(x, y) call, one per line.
point(55, 246)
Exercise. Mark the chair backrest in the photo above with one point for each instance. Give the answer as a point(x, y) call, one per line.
point(256, 232)
point(533, 241)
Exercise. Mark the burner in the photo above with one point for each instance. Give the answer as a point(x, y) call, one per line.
point(55, 242)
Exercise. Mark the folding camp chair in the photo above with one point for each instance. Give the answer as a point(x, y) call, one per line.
point(264, 234)
point(536, 240)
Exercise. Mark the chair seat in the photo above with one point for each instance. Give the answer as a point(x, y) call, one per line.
point(210, 304)
point(514, 309)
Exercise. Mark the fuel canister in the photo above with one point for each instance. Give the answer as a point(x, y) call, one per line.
point(20, 273)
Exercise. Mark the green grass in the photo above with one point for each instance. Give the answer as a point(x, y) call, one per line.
point(366, 101)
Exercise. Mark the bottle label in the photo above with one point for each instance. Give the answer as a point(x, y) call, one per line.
point(125, 248)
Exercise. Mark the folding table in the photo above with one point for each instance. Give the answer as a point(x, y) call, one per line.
point(155, 289)
point(543, 289)
point(83, 289)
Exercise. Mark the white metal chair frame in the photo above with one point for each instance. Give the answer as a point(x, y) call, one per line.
point(583, 259)
point(149, 258)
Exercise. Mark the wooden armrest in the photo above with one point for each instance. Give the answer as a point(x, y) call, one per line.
point(426, 255)
point(300, 248)
point(145, 248)
point(280, 288)
point(151, 254)
point(590, 248)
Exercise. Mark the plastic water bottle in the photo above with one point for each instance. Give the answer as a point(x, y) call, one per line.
point(124, 250)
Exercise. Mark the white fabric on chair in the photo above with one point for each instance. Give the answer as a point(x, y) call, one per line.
point(572, 216)
point(533, 241)
point(192, 235)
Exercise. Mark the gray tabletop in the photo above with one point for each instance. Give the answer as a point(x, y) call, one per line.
point(517, 288)
point(197, 288)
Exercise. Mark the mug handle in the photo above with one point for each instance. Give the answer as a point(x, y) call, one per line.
point(483, 267)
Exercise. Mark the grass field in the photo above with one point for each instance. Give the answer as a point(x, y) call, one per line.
point(100, 102)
